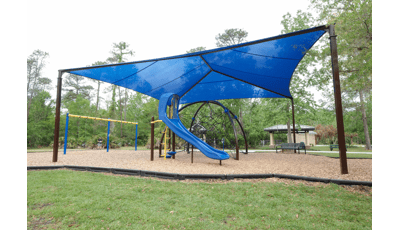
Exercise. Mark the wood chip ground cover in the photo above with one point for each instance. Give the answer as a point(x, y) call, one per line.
point(252, 163)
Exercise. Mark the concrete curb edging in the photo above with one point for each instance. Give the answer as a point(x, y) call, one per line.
point(175, 176)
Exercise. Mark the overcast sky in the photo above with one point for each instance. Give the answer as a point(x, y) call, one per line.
point(79, 33)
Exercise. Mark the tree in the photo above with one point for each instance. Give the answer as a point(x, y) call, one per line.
point(354, 41)
point(231, 37)
point(119, 54)
point(354, 29)
point(40, 126)
point(98, 98)
point(35, 82)
point(74, 86)
point(197, 49)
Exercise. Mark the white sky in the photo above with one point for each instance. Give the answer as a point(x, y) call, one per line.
point(79, 33)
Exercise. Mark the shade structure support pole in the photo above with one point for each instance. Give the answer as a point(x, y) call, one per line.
point(57, 120)
point(66, 134)
point(108, 136)
point(338, 100)
point(294, 127)
point(136, 137)
point(173, 145)
point(191, 157)
point(152, 140)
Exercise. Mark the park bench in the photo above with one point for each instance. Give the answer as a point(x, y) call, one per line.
point(293, 146)
point(336, 146)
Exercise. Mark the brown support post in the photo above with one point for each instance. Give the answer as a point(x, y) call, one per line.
point(152, 140)
point(171, 136)
point(173, 145)
point(237, 152)
point(57, 120)
point(192, 155)
point(338, 101)
point(294, 127)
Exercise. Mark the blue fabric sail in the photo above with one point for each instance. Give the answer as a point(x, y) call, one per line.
point(257, 69)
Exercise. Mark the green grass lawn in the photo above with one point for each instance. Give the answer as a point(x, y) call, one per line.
point(326, 148)
point(62, 199)
point(349, 149)
point(349, 155)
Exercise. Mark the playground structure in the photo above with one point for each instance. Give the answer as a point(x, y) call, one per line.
point(256, 69)
point(98, 119)
point(214, 125)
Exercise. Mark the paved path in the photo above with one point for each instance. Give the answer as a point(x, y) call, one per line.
point(311, 151)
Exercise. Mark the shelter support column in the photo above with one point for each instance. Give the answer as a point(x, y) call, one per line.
point(272, 141)
point(57, 119)
point(152, 140)
point(306, 138)
point(294, 127)
point(338, 100)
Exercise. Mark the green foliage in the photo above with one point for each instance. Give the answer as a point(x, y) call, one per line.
point(40, 126)
point(197, 49)
point(231, 37)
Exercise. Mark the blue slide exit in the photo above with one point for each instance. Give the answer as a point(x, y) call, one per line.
point(179, 129)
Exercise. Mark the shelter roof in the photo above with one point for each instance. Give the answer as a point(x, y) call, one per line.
point(256, 69)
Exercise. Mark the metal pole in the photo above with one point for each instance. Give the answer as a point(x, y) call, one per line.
point(152, 140)
point(338, 101)
point(136, 138)
point(294, 127)
point(108, 136)
point(66, 134)
point(57, 120)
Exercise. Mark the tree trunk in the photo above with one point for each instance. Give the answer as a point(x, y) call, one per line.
point(288, 126)
point(30, 99)
point(98, 92)
point(126, 98)
point(29, 108)
point(364, 118)
point(112, 109)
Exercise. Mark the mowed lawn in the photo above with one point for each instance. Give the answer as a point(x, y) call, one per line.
point(349, 155)
point(66, 199)
point(352, 148)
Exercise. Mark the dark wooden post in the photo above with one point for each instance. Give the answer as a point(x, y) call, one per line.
point(237, 152)
point(173, 145)
point(294, 127)
point(192, 155)
point(57, 120)
point(152, 140)
point(338, 101)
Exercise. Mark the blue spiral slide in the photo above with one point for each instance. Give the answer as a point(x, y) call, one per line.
point(179, 129)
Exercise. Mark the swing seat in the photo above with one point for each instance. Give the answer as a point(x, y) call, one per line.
point(171, 153)
point(168, 156)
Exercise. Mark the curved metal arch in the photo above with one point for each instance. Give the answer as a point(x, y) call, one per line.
point(230, 118)
point(237, 120)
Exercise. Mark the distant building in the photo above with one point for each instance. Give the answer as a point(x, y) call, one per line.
point(304, 133)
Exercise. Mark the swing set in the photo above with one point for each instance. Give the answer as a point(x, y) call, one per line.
point(99, 119)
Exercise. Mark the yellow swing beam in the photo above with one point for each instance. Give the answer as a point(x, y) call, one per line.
point(102, 119)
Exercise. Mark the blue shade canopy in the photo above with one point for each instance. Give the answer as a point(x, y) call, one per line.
point(257, 69)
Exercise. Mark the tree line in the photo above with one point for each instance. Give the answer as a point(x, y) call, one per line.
point(82, 96)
